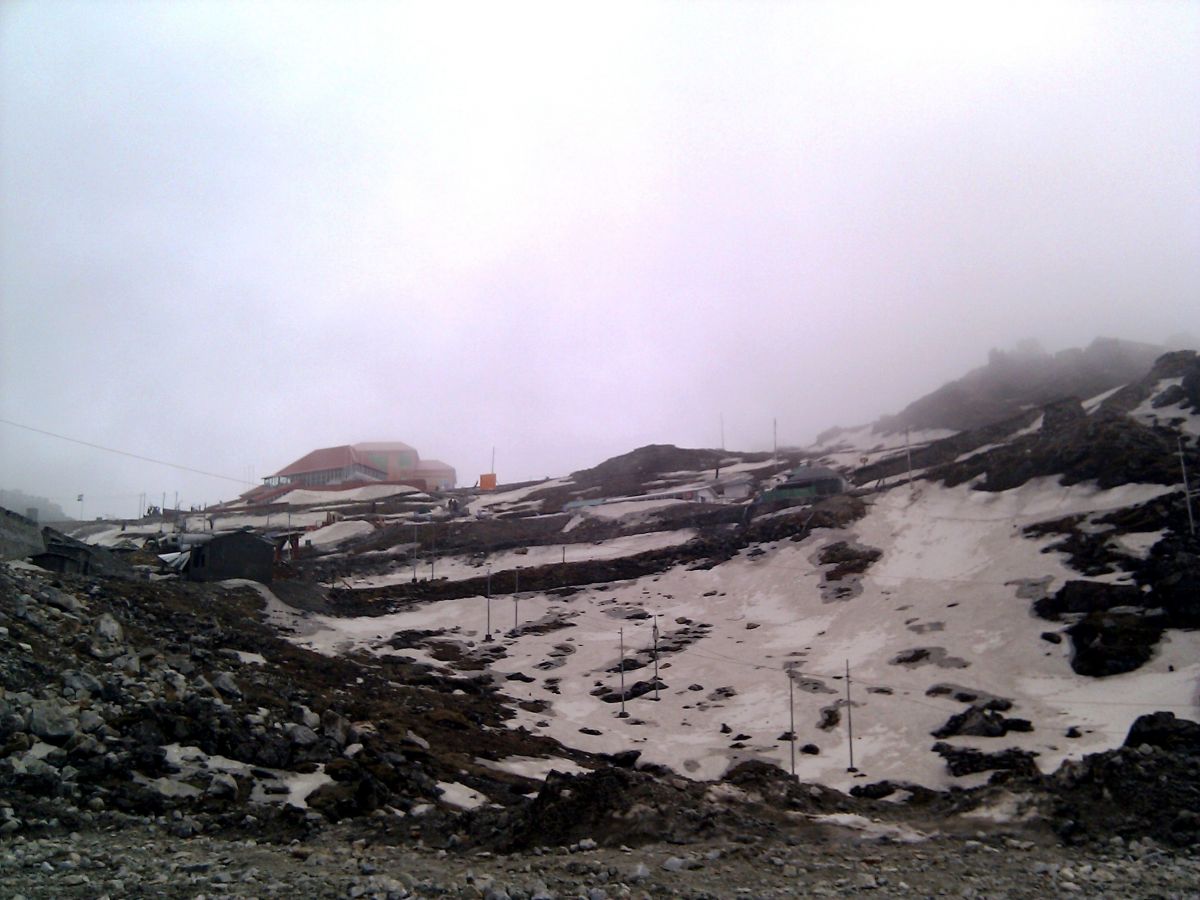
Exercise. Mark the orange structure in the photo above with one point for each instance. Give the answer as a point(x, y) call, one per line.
point(487, 482)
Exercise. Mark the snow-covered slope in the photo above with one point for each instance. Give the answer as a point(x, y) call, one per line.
point(928, 600)
point(951, 592)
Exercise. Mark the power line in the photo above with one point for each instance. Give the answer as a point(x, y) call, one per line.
point(160, 462)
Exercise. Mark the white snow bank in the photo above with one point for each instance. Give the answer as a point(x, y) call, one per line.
point(631, 508)
point(338, 533)
point(303, 497)
point(502, 498)
point(461, 796)
point(871, 828)
point(532, 766)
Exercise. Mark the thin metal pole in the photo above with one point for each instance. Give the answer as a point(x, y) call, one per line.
point(792, 717)
point(416, 550)
point(1187, 494)
point(487, 634)
point(516, 604)
point(564, 559)
point(656, 657)
point(850, 718)
point(621, 666)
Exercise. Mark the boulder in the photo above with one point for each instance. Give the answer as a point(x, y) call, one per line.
point(109, 629)
point(1163, 730)
point(300, 735)
point(1111, 643)
point(226, 686)
point(51, 723)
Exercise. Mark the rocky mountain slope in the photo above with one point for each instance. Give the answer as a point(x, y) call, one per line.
point(1008, 611)
point(1026, 376)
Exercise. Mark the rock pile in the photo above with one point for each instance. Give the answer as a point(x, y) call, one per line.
point(113, 705)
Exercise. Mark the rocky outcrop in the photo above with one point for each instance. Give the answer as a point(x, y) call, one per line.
point(19, 537)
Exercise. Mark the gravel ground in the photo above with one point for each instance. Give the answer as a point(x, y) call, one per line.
point(338, 862)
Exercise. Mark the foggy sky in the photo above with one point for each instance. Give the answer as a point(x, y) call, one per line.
point(232, 232)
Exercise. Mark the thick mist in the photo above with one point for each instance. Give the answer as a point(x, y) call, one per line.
point(231, 233)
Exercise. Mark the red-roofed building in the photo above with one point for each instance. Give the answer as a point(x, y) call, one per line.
point(353, 464)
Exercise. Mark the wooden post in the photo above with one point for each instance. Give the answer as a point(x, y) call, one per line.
point(792, 717)
point(850, 719)
point(487, 635)
point(621, 666)
point(656, 657)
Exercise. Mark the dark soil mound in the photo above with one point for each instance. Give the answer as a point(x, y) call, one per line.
point(1148, 787)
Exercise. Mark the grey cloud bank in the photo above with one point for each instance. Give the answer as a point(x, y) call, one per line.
point(230, 233)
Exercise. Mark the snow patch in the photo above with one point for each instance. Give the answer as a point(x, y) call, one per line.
point(461, 796)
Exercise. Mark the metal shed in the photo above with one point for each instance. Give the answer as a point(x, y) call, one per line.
point(239, 554)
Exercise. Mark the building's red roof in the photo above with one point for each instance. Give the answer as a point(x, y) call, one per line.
point(326, 458)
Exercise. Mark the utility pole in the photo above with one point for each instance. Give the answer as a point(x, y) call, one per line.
point(621, 665)
point(487, 635)
point(656, 656)
point(774, 440)
point(516, 595)
point(1187, 493)
point(792, 717)
point(80, 499)
point(850, 719)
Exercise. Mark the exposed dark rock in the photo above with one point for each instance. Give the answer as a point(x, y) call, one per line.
point(1164, 730)
point(978, 721)
point(847, 559)
point(1111, 643)
point(1087, 597)
point(966, 760)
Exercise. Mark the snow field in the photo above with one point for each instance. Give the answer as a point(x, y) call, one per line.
point(954, 561)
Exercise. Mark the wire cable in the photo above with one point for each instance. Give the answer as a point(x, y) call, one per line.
point(150, 459)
